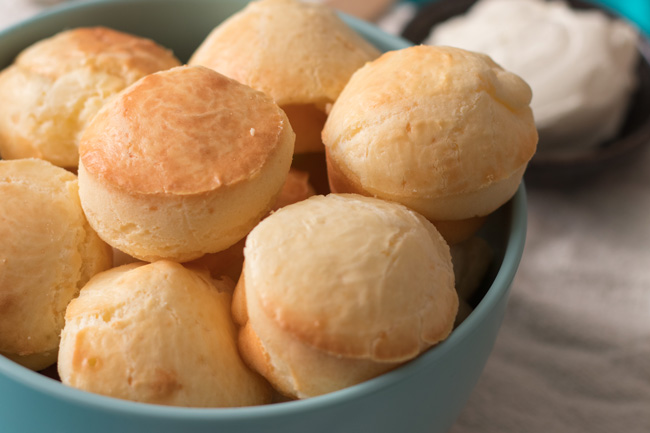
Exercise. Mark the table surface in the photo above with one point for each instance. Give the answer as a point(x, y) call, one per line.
point(573, 354)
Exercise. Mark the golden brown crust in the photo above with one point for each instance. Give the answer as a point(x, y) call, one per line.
point(57, 85)
point(100, 48)
point(448, 136)
point(183, 131)
point(183, 163)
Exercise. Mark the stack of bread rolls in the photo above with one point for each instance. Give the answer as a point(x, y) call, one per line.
point(182, 163)
point(195, 264)
point(301, 54)
point(359, 287)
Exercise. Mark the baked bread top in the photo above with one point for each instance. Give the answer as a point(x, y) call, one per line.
point(188, 130)
point(431, 121)
point(296, 52)
point(56, 86)
point(357, 277)
point(99, 48)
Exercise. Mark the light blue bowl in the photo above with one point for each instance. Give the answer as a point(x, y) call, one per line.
point(424, 396)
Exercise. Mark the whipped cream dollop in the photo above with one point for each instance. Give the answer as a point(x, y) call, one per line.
point(580, 64)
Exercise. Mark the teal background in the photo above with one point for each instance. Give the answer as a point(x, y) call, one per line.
point(637, 11)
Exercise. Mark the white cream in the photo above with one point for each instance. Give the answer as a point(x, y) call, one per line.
point(580, 64)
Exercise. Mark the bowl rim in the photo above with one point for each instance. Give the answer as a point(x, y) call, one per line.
point(513, 251)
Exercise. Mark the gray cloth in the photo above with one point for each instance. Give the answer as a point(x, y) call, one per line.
point(573, 354)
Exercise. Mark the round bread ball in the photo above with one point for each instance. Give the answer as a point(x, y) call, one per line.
point(299, 53)
point(53, 89)
point(48, 252)
point(157, 333)
point(182, 163)
point(444, 131)
point(360, 286)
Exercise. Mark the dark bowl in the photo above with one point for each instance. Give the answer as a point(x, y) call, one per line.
point(560, 168)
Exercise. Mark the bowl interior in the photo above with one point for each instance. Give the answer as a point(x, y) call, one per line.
point(562, 168)
point(182, 25)
point(177, 28)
